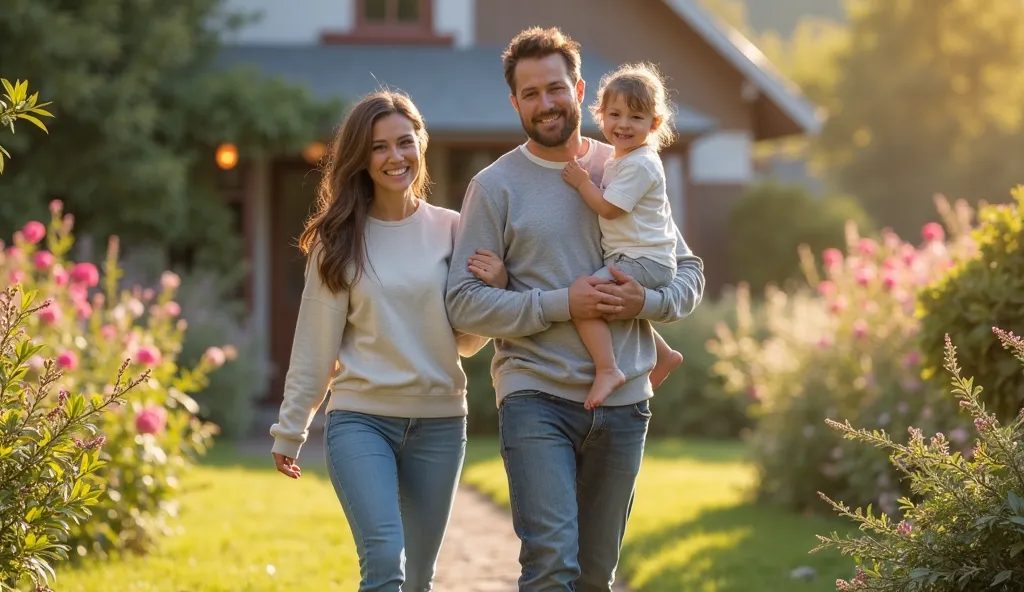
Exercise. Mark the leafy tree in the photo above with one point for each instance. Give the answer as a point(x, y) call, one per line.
point(142, 107)
point(929, 100)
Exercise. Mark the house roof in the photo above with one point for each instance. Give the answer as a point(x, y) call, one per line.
point(744, 55)
point(457, 90)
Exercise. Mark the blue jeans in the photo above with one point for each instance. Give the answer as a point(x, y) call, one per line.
point(396, 479)
point(571, 475)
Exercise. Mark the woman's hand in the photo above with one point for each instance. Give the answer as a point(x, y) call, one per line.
point(287, 466)
point(487, 266)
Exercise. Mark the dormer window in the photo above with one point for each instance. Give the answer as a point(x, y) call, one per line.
point(391, 22)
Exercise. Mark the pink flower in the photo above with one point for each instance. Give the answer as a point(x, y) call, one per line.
point(755, 393)
point(867, 246)
point(67, 360)
point(151, 420)
point(860, 328)
point(43, 260)
point(56, 205)
point(838, 305)
point(890, 264)
point(170, 280)
point(17, 276)
point(908, 255)
point(216, 357)
point(36, 362)
point(172, 308)
point(109, 332)
point(83, 309)
point(148, 356)
point(933, 232)
point(864, 275)
point(904, 528)
point(911, 359)
point(50, 315)
point(832, 257)
point(86, 274)
point(889, 280)
point(13, 252)
point(826, 288)
point(60, 275)
point(33, 232)
point(824, 343)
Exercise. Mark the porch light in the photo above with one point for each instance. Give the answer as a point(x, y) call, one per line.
point(226, 156)
point(314, 152)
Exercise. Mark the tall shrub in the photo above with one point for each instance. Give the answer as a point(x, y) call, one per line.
point(845, 345)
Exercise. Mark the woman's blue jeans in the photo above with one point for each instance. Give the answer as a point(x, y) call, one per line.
point(396, 479)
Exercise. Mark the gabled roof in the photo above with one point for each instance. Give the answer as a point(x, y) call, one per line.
point(458, 91)
point(749, 61)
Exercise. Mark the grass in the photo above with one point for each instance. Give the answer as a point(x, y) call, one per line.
point(243, 527)
point(692, 530)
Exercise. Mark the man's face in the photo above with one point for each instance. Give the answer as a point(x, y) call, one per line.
point(547, 100)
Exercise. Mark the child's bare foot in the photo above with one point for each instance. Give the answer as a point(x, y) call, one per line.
point(605, 384)
point(664, 366)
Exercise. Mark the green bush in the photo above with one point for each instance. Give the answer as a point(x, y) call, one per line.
point(690, 402)
point(966, 534)
point(49, 451)
point(982, 291)
point(769, 224)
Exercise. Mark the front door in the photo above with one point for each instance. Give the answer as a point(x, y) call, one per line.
point(294, 190)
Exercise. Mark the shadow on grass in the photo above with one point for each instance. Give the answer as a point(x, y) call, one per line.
point(736, 549)
point(254, 455)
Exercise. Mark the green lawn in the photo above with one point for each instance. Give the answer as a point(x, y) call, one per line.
point(244, 527)
point(690, 530)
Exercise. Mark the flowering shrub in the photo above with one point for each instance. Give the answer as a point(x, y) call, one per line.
point(845, 345)
point(49, 448)
point(967, 533)
point(93, 325)
point(984, 290)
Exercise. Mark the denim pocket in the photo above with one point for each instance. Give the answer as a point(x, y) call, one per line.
point(642, 409)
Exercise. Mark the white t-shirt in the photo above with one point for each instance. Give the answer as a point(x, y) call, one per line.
point(635, 183)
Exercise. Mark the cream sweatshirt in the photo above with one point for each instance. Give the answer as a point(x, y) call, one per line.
point(385, 347)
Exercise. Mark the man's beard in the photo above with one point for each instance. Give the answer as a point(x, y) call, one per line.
point(570, 123)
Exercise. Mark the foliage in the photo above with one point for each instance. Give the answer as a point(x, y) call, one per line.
point(92, 323)
point(144, 102)
point(48, 451)
point(769, 224)
point(982, 291)
point(844, 345)
point(18, 104)
point(929, 98)
point(967, 532)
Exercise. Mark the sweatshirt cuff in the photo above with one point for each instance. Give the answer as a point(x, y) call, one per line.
point(554, 305)
point(289, 448)
point(653, 301)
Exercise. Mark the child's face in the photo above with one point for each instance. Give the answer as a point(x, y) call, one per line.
point(625, 128)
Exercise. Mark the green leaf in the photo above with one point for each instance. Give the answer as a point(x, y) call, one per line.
point(1016, 549)
point(920, 573)
point(9, 88)
point(1016, 503)
point(1002, 577)
point(97, 401)
point(34, 120)
point(1017, 520)
point(27, 298)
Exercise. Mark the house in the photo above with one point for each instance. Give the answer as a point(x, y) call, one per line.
point(446, 55)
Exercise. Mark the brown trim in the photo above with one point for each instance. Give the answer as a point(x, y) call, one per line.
point(391, 30)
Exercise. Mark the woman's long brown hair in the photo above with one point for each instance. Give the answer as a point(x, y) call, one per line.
point(346, 190)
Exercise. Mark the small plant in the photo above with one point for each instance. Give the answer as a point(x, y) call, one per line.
point(967, 531)
point(49, 452)
point(18, 104)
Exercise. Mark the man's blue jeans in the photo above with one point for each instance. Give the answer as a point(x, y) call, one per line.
point(571, 474)
point(396, 479)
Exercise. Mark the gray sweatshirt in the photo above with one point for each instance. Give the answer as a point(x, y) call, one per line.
point(520, 208)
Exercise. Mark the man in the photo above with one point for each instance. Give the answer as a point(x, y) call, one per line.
point(571, 471)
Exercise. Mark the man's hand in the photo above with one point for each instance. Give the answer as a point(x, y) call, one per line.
point(287, 466)
point(628, 291)
point(574, 174)
point(586, 301)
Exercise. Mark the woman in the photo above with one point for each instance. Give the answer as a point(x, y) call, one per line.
point(373, 329)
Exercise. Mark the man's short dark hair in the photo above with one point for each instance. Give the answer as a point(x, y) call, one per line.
point(537, 43)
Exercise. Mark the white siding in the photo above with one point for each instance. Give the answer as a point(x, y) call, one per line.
point(722, 158)
point(456, 18)
point(288, 23)
point(675, 186)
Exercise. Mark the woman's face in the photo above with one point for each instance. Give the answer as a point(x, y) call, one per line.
point(394, 154)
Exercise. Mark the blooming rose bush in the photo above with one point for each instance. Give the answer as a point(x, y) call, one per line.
point(967, 532)
point(846, 345)
point(92, 324)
